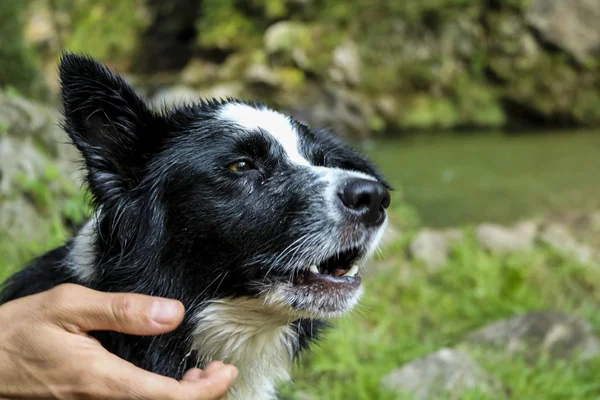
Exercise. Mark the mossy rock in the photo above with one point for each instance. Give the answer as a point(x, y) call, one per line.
point(424, 111)
point(308, 47)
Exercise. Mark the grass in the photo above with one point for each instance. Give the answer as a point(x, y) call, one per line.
point(455, 180)
point(408, 312)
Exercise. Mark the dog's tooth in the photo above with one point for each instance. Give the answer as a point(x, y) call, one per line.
point(314, 269)
point(352, 271)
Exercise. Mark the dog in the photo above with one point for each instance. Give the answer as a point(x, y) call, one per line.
point(257, 223)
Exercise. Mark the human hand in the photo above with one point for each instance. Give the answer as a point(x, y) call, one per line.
point(45, 351)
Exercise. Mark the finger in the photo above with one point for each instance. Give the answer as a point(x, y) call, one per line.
point(213, 385)
point(193, 374)
point(120, 379)
point(81, 309)
point(214, 366)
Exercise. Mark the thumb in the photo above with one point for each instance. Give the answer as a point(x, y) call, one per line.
point(80, 309)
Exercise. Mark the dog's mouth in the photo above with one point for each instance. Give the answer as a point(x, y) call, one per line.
point(324, 289)
point(341, 268)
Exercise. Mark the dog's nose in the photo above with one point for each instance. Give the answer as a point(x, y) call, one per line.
point(366, 199)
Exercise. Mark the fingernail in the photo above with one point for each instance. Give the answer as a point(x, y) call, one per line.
point(165, 311)
point(233, 373)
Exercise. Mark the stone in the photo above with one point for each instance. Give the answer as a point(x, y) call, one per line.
point(431, 248)
point(346, 61)
point(30, 138)
point(199, 72)
point(262, 74)
point(173, 96)
point(555, 333)
point(285, 36)
point(20, 220)
point(342, 110)
point(19, 160)
point(558, 237)
point(506, 240)
point(570, 25)
point(444, 373)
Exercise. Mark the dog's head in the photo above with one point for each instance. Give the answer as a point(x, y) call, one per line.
point(231, 197)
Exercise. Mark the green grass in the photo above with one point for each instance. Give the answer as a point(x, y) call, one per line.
point(456, 179)
point(408, 312)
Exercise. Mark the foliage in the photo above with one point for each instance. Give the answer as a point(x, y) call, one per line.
point(234, 24)
point(106, 29)
point(18, 64)
point(63, 208)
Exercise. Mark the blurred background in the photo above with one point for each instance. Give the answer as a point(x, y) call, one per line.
point(484, 115)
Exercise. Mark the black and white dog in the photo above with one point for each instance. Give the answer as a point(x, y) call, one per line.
point(259, 224)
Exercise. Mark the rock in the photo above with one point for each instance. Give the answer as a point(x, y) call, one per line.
point(570, 25)
point(559, 237)
point(433, 247)
point(344, 111)
point(308, 47)
point(287, 40)
point(444, 373)
point(346, 62)
point(19, 159)
point(173, 96)
point(454, 234)
point(461, 37)
point(262, 74)
point(30, 138)
point(555, 333)
point(41, 30)
point(505, 240)
point(198, 72)
point(20, 220)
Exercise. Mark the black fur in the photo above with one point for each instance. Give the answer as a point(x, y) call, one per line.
point(173, 221)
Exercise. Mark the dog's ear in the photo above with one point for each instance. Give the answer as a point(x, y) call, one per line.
point(109, 123)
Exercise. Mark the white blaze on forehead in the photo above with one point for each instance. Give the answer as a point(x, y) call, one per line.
point(276, 124)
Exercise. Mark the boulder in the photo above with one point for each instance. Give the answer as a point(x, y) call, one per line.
point(287, 41)
point(30, 140)
point(20, 221)
point(345, 112)
point(173, 96)
point(199, 71)
point(555, 333)
point(346, 63)
point(19, 160)
point(506, 240)
point(570, 25)
point(433, 247)
point(443, 374)
point(558, 237)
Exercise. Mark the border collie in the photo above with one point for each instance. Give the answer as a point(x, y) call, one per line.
point(257, 223)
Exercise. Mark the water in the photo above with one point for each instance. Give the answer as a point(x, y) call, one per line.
point(456, 179)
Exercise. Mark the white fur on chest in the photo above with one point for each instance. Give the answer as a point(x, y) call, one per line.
point(258, 341)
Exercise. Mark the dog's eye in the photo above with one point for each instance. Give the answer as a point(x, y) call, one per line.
point(241, 166)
